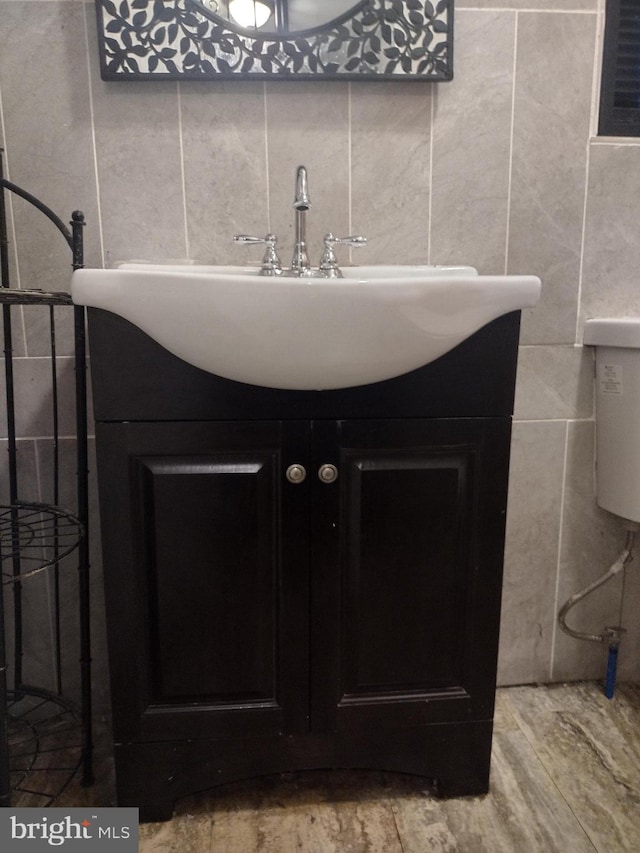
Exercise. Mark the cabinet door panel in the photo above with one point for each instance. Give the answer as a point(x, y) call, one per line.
point(404, 589)
point(415, 525)
point(208, 542)
point(206, 585)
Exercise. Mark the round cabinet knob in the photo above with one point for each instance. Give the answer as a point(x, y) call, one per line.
point(296, 473)
point(328, 473)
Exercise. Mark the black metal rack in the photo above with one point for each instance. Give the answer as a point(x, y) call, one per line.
point(45, 737)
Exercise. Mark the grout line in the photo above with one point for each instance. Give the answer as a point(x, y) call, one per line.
point(595, 98)
point(615, 141)
point(554, 631)
point(70, 437)
point(183, 175)
point(583, 242)
point(349, 166)
point(553, 420)
point(266, 153)
point(511, 133)
point(350, 230)
point(557, 345)
point(528, 11)
point(3, 132)
point(93, 136)
point(60, 357)
point(598, 49)
point(434, 95)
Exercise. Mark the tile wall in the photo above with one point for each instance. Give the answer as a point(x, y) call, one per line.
point(499, 169)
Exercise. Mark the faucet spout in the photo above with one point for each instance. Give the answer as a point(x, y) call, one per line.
point(302, 201)
point(300, 263)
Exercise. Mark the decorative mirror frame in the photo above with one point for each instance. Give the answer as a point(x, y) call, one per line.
point(178, 39)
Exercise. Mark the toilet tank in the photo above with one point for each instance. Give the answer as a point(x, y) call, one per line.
point(617, 346)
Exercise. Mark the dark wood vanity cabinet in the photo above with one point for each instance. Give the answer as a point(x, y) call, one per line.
point(259, 624)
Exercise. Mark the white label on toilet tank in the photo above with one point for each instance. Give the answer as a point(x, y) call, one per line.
point(611, 379)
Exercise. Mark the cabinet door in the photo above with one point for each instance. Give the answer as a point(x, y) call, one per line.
point(407, 548)
point(206, 578)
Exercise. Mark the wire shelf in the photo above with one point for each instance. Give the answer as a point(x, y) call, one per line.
point(45, 746)
point(35, 536)
point(40, 729)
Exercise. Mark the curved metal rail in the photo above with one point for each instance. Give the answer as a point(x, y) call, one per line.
point(35, 537)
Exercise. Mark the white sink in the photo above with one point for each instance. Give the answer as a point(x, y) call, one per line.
point(376, 323)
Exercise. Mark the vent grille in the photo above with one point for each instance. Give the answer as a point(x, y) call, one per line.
point(620, 94)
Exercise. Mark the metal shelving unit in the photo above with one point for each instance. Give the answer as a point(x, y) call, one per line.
point(45, 737)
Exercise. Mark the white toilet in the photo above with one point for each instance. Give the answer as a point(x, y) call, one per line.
point(617, 343)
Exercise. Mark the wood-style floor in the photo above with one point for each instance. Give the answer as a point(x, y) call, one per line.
point(565, 778)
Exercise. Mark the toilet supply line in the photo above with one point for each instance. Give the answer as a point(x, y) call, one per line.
point(612, 634)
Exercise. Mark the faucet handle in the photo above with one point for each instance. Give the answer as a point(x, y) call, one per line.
point(328, 262)
point(349, 241)
point(270, 262)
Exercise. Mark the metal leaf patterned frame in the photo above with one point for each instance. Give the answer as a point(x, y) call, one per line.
point(179, 39)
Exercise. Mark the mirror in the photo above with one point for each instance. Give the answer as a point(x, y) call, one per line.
point(327, 39)
point(283, 16)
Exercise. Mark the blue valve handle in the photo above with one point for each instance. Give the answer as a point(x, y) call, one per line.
point(612, 666)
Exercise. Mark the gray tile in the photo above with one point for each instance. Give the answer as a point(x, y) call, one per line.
point(554, 382)
point(33, 396)
point(471, 145)
point(27, 472)
point(629, 653)
point(38, 590)
point(612, 247)
point(38, 330)
point(317, 137)
point(37, 653)
point(18, 337)
point(48, 136)
point(17, 342)
point(67, 499)
point(552, 105)
point(390, 171)
point(67, 466)
point(139, 164)
point(223, 128)
point(531, 552)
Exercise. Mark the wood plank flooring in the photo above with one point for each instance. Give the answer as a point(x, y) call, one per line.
point(565, 779)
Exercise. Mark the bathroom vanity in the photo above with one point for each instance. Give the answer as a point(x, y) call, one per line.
point(300, 579)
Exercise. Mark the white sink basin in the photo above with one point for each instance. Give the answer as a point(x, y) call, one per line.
point(376, 323)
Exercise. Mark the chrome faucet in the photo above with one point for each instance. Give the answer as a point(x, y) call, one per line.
point(300, 263)
point(300, 266)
